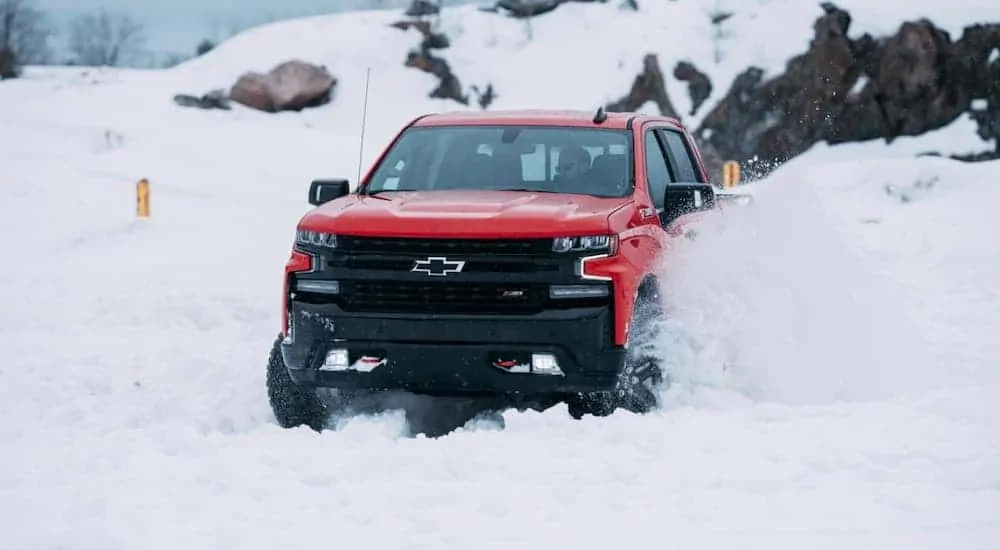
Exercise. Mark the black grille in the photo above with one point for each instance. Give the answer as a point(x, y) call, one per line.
point(416, 297)
point(422, 246)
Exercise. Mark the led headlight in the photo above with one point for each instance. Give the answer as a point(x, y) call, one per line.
point(316, 238)
point(588, 243)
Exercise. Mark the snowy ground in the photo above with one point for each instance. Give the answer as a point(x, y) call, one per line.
point(836, 370)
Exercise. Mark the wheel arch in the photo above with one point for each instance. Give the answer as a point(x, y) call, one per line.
point(647, 290)
point(649, 287)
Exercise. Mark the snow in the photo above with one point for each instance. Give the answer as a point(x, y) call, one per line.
point(836, 375)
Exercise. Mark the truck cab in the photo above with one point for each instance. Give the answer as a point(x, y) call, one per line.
point(510, 254)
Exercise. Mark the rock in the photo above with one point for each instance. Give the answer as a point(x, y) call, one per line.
point(449, 87)
point(972, 55)
point(522, 9)
point(422, 59)
point(251, 89)
point(291, 86)
point(295, 85)
point(431, 40)
point(699, 85)
point(849, 90)
point(435, 41)
point(911, 81)
point(981, 156)
point(216, 99)
point(486, 97)
point(647, 86)
point(422, 8)
point(981, 77)
point(987, 118)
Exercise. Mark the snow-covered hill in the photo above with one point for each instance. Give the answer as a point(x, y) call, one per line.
point(580, 56)
point(836, 374)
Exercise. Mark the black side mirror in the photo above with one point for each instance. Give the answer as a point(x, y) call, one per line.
point(323, 191)
point(685, 198)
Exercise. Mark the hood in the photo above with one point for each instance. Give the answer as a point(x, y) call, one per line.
point(468, 214)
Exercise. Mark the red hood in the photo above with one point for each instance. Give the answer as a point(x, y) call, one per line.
point(471, 214)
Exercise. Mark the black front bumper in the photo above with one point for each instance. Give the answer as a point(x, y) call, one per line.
point(454, 354)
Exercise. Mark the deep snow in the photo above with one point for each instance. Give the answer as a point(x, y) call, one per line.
point(836, 371)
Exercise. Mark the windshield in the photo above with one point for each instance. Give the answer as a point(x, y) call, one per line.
point(591, 161)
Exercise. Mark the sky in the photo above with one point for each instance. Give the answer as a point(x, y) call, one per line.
point(177, 27)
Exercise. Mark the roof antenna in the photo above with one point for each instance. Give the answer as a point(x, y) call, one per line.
point(600, 116)
point(364, 119)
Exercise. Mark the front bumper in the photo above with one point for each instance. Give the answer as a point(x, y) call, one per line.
point(454, 354)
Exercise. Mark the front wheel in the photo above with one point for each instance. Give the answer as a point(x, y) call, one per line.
point(638, 385)
point(293, 405)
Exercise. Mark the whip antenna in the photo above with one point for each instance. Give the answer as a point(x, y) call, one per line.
point(364, 119)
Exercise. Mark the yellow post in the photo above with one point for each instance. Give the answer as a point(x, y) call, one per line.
point(730, 174)
point(142, 198)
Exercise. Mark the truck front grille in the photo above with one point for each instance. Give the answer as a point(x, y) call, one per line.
point(418, 297)
point(425, 246)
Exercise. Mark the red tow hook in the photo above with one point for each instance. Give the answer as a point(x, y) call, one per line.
point(505, 363)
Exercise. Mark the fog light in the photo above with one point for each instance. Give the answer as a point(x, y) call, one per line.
point(578, 291)
point(545, 363)
point(336, 359)
point(318, 286)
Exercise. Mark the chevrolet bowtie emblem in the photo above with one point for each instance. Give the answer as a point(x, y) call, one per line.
point(438, 266)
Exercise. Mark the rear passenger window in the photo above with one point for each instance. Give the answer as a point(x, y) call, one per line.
point(656, 170)
point(680, 156)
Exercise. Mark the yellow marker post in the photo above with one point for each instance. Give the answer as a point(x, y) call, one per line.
point(730, 174)
point(142, 198)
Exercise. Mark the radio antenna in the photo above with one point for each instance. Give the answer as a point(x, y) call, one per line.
point(364, 119)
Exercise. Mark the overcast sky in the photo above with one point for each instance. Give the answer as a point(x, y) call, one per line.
point(176, 26)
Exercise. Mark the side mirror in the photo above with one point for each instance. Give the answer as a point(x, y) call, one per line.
point(323, 191)
point(685, 198)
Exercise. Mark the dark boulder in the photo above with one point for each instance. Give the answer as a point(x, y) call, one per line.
point(449, 86)
point(699, 85)
point(422, 8)
point(485, 97)
point(522, 9)
point(431, 40)
point(291, 86)
point(848, 90)
point(647, 86)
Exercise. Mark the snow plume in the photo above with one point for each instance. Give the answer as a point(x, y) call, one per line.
point(771, 301)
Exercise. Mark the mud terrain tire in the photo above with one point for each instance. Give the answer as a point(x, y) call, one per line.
point(293, 405)
point(638, 385)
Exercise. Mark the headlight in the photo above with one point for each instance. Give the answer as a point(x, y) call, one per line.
point(316, 238)
point(589, 243)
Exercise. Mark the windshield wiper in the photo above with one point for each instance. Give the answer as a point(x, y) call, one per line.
point(527, 190)
point(378, 193)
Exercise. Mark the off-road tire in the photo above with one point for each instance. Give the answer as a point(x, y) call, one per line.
point(293, 405)
point(638, 385)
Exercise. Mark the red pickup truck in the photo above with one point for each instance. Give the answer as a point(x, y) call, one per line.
point(510, 254)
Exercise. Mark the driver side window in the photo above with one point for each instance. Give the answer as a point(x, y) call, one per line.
point(657, 173)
